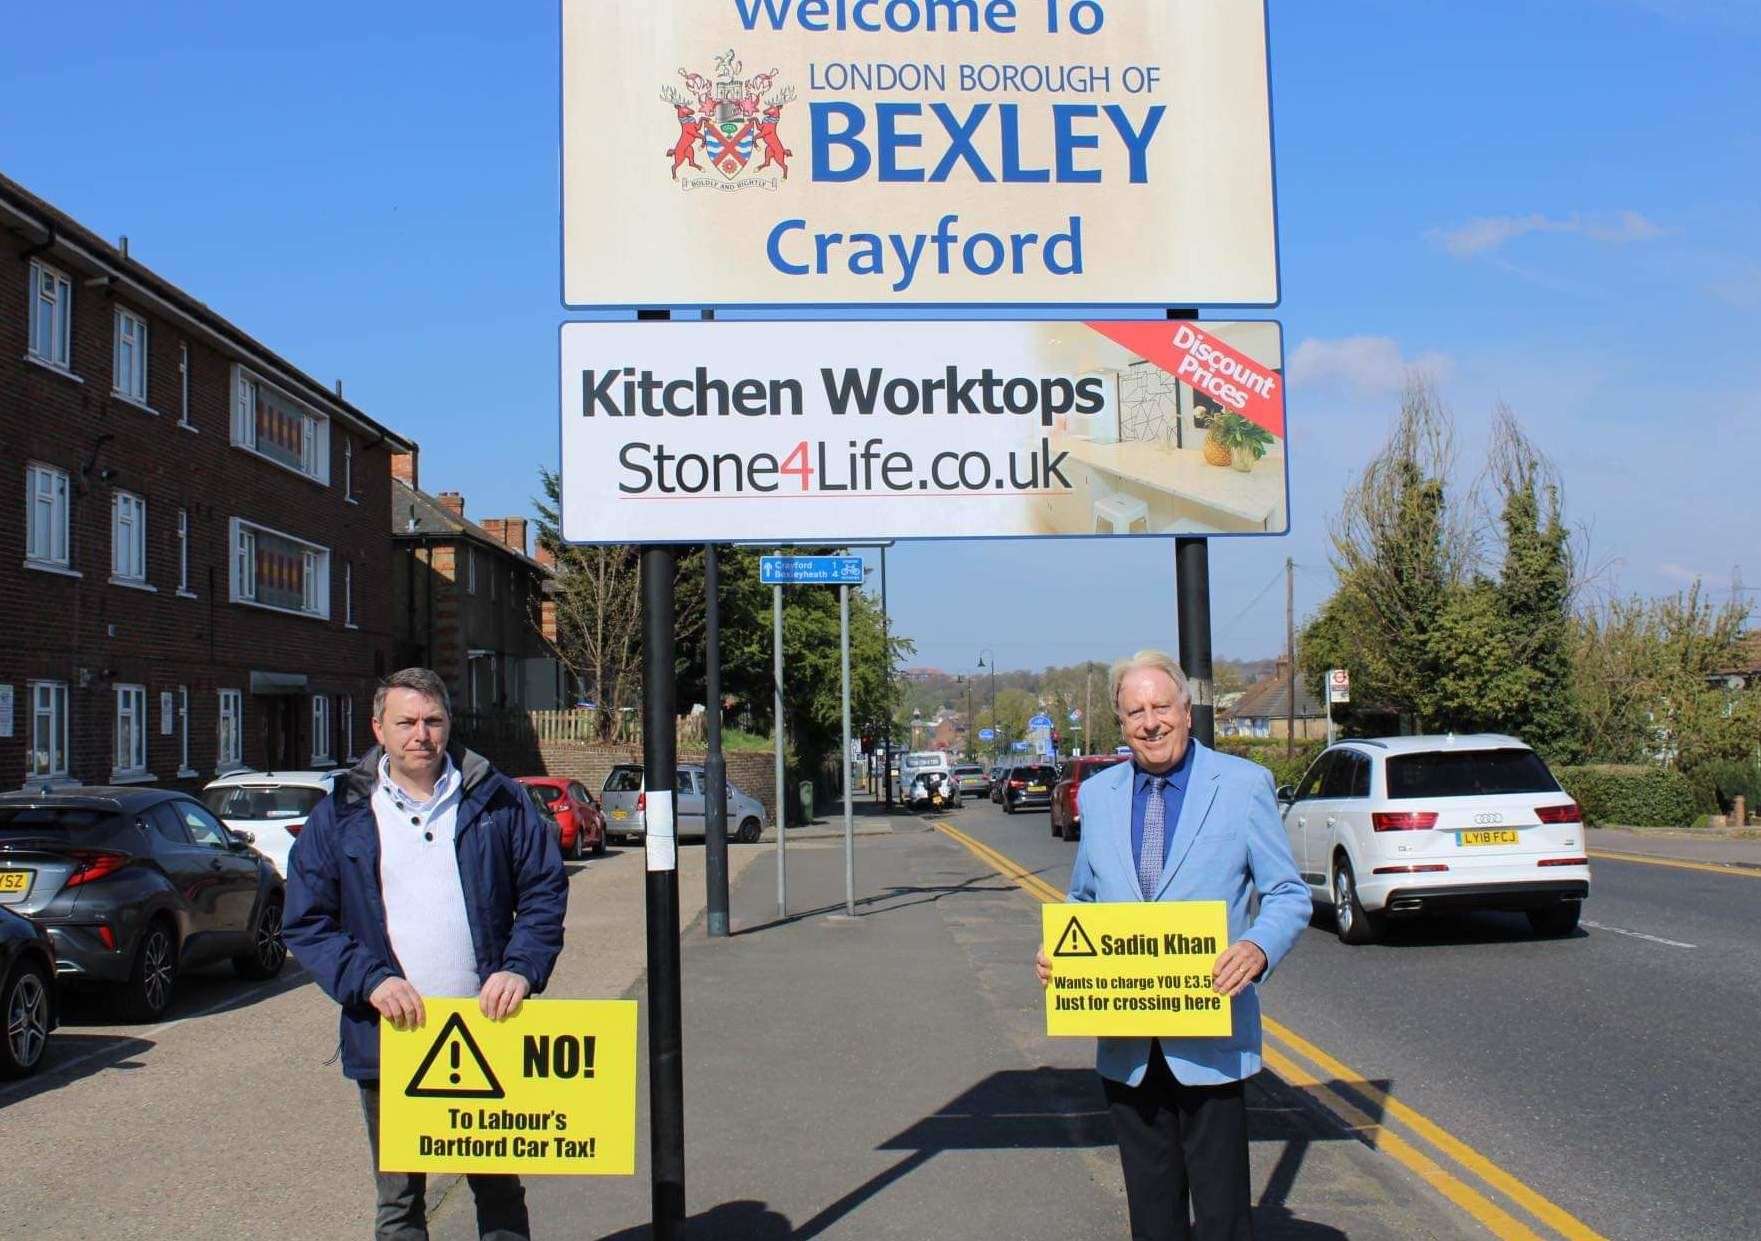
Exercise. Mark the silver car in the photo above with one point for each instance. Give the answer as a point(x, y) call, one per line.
point(624, 800)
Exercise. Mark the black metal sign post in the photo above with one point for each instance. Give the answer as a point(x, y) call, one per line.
point(666, 1061)
point(1192, 606)
point(715, 766)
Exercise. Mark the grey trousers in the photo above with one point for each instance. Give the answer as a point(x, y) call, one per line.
point(403, 1206)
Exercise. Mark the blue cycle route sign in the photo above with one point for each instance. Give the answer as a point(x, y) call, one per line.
point(1040, 721)
point(987, 734)
point(810, 570)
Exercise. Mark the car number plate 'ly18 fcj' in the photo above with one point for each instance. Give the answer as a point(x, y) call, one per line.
point(1499, 836)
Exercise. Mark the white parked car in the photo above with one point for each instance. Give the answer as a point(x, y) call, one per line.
point(269, 806)
point(916, 764)
point(1404, 826)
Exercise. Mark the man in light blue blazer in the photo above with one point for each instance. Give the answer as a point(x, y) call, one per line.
point(1216, 834)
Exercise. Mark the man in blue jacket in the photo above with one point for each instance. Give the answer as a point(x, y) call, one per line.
point(1181, 822)
point(426, 873)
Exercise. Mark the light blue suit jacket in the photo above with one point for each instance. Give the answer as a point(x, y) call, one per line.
point(1229, 845)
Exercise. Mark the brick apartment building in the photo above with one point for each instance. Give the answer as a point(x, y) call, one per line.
point(469, 602)
point(192, 531)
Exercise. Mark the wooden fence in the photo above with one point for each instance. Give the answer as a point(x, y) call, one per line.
point(584, 725)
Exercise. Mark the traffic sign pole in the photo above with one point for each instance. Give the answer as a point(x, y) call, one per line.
point(715, 766)
point(844, 761)
point(776, 613)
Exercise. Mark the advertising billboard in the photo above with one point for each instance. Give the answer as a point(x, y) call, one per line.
point(927, 152)
point(695, 432)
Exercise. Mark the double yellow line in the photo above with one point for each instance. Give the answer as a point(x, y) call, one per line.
point(1343, 1092)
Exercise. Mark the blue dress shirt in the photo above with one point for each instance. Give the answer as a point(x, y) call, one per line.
point(1173, 794)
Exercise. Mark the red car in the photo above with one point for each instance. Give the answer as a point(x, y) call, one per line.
point(1066, 819)
point(581, 826)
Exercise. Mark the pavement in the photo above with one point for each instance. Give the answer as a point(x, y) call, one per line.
point(1713, 846)
point(887, 1076)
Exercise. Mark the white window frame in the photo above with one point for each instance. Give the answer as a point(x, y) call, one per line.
point(183, 386)
point(229, 742)
point(48, 528)
point(128, 359)
point(128, 539)
point(48, 707)
point(322, 740)
point(58, 308)
point(348, 594)
point(184, 770)
point(242, 571)
point(183, 555)
point(470, 570)
point(347, 707)
point(247, 385)
point(131, 705)
point(348, 468)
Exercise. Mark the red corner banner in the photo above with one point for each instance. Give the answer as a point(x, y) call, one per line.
point(1205, 364)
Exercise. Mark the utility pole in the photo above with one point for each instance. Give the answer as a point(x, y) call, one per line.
point(1290, 653)
point(887, 687)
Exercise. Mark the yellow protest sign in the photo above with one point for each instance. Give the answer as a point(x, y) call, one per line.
point(1142, 968)
point(551, 1090)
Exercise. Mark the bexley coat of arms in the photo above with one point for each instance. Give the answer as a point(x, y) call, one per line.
point(728, 120)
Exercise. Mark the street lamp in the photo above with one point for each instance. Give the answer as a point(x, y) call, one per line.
point(993, 667)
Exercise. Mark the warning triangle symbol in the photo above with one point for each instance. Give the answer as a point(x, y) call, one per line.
point(1074, 942)
point(454, 1067)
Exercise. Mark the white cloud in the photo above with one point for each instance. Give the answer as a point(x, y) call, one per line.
point(1365, 364)
point(1487, 233)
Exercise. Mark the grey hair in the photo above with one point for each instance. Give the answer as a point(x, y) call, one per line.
point(424, 681)
point(1157, 661)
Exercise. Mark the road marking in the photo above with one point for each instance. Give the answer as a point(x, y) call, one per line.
point(1671, 943)
point(1740, 872)
point(1494, 1219)
point(1481, 1208)
point(1541, 1208)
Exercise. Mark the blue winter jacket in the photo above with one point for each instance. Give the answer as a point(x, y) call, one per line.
point(510, 867)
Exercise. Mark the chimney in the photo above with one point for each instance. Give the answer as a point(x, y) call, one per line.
point(515, 537)
point(544, 556)
point(495, 528)
point(403, 468)
point(453, 503)
point(547, 620)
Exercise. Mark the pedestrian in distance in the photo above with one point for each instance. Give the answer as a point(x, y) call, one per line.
point(1182, 822)
point(427, 873)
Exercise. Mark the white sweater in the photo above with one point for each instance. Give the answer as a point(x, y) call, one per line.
point(419, 878)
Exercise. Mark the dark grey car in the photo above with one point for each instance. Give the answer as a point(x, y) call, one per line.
point(135, 885)
point(27, 993)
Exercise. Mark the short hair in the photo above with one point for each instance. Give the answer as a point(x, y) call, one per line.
point(1158, 661)
point(424, 681)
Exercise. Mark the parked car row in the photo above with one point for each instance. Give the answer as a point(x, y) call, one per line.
point(121, 890)
point(625, 800)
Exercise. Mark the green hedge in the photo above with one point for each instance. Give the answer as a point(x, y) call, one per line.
point(1634, 796)
point(1727, 780)
point(1269, 753)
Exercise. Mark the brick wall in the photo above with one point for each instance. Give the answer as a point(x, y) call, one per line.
point(752, 772)
point(83, 630)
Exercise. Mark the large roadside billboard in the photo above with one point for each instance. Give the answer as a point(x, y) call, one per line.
point(696, 432)
point(927, 152)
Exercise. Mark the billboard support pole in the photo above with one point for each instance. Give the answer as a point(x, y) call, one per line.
point(666, 1067)
point(1192, 589)
point(887, 693)
point(715, 763)
point(776, 612)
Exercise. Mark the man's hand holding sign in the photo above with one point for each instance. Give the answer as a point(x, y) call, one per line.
point(1157, 952)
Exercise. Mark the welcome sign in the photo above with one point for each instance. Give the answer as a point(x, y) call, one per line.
point(939, 152)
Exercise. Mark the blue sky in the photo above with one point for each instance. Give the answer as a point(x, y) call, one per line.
point(1552, 203)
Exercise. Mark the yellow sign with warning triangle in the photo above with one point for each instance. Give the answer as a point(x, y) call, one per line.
point(551, 1089)
point(1135, 969)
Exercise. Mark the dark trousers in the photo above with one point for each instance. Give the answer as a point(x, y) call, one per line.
point(403, 1204)
point(1179, 1143)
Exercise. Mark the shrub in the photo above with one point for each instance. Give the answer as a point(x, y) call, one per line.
point(1728, 780)
point(1269, 753)
point(1636, 796)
